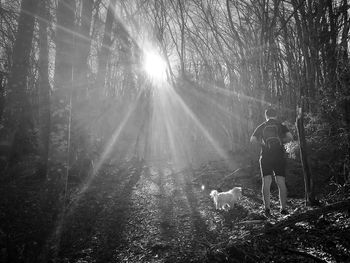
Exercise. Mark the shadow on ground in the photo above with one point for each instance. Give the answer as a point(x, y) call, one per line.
point(94, 228)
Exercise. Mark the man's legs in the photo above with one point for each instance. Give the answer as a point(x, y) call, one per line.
point(265, 189)
point(281, 183)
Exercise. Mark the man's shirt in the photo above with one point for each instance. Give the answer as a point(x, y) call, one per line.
point(266, 151)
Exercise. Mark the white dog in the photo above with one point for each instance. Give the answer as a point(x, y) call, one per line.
point(224, 199)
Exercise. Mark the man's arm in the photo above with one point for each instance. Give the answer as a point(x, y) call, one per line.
point(256, 136)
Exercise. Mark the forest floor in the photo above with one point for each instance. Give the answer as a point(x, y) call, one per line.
point(132, 212)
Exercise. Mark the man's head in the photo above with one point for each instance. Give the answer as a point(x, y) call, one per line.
point(270, 114)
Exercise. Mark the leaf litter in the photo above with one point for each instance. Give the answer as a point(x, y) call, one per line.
point(132, 212)
point(163, 216)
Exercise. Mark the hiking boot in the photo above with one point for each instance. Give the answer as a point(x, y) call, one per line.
point(284, 212)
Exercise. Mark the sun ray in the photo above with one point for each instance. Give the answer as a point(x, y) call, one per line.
point(116, 135)
point(172, 122)
point(242, 96)
point(198, 123)
point(176, 139)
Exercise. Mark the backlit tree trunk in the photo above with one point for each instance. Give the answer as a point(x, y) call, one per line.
point(63, 79)
point(19, 109)
point(105, 47)
point(44, 87)
point(308, 177)
point(80, 103)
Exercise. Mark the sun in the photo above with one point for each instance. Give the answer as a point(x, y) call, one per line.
point(155, 66)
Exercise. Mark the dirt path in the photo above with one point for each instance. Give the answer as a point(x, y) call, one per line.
point(141, 214)
point(137, 213)
point(131, 212)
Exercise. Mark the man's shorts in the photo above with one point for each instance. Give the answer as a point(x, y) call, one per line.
point(276, 166)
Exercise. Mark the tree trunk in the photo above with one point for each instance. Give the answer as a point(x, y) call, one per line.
point(19, 117)
point(64, 48)
point(2, 92)
point(182, 25)
point(63, 78)
point(308, 178)
point(82, 51)
point(303, 35)
point(105, 48)
point(80, 111)
point(44, 88)
point(343, 70)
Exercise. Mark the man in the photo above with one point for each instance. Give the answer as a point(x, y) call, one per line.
point(271, 135)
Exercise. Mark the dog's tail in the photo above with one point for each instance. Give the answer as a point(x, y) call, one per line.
point(214, 193)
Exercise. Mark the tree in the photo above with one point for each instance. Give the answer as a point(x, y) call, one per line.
point(19, 112)
point(308, 176)
point(44, 87)
point(80, 86)
point(106, 46)
point(63, 79)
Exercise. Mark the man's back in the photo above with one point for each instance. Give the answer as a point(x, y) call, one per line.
point(271, 133)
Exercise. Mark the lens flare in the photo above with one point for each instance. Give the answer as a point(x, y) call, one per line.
point(155, 66)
